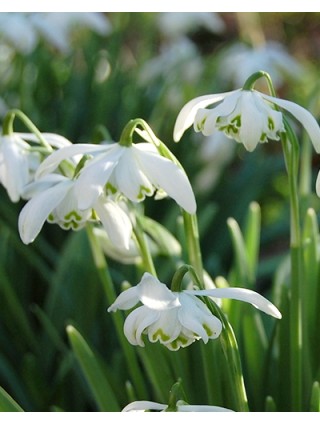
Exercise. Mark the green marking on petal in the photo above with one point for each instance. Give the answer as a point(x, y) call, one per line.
point(50, 218)
point(175, 344)
point(110, 189)
point(73, 214)
point(236, 121)
point(208, 330)
point(271, 125)
point(143, 192)
point(160, 335)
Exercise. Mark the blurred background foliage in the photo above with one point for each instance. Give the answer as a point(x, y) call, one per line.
point(146, 65)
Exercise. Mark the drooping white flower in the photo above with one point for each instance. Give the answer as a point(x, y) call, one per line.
point(247, 116)
point(181, 406)
point(18, 31)
point(239, 61)
point(57, 27)
point(178, 61)
point(175, 24)
point(53, 198)
point(18, 163)
point(177, 319)
point(22, 31)
point(135, 171)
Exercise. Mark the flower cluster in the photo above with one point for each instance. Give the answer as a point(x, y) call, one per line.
point(95, 183)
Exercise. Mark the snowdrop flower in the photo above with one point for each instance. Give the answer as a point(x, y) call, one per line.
point(18, 163)
point(181, 406)
point(53, 198)
point(240, 61)
point(134, 171)
point(179, 60)
point(175, 24)
point(57, 27)
point(247, 116)
point(24, 30)
point(18, 31)
point(177, 319)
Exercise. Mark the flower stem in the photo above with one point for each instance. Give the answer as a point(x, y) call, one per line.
point(193, 244)
point(106, 280)
point(144, 249)
point(7, 127)
point(291, 154)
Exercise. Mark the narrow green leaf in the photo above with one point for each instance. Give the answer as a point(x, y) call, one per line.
point(252, 237)
point(241, 275)
point(270, 405)
point(100, 387)
point(7, 403)
point(315, 397)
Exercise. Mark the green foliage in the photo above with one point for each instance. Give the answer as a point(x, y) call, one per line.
point(59, 347)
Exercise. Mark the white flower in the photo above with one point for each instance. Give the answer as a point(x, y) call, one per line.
point(247, 116)
point(177, 319)
point(240, 61)
point(177, 62)
point(181, 406)
point(53, 198)
point(173, 24)
point(24, 30)
point(135, 171)
point(57, 27)
point(18, 163)
point(18, 31)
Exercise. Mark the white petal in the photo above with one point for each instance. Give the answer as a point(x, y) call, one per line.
point(156, 295)
point(167, 328)
point(16, 168)
point(187, 114)
point(41, 185)
point(137, 322)
point(303, 116)
point(130, 179)
point(53, 160)
point(167, 175)
point(126, 300)
point(116, 222)
point(36, 211)
point(318, 184)
point(241, 294)
point(200, 408)
point(194, 314)
point(252, 122)
point(94, 176)
point(141, 406)
point(53, 139)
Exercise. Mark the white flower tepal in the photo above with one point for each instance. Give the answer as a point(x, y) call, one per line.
point(134, 171)
point(248, 116)
point(177, 319)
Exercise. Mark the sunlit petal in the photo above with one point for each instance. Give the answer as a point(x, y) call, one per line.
point(156, 295)
point(126, 300)
point(167, 175)
point(36, 211)
point(187, 114)
point(303, 116)
point(242, 294)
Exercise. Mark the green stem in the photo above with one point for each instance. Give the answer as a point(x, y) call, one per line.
point(144, 249)
point(7, 127)
point(193, 244)
point(291, 153)
point(106, 280)
point(250, 82)
point(233, 361)
point(306, 169)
